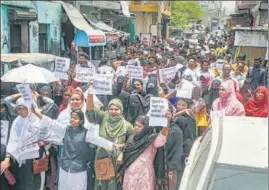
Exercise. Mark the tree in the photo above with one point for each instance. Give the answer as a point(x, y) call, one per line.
point(183, 12)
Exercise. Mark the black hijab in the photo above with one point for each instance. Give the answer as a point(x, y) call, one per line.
point(137, 106)
point(124, 97)
point(152, 87)
point(137, 144)
point(212, 94)
point(120, 81)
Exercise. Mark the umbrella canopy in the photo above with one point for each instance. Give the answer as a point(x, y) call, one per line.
point(29, 74)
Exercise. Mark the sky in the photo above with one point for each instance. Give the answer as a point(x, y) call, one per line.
point(230, 6)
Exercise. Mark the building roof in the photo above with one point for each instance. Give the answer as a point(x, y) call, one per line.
point(244, 142)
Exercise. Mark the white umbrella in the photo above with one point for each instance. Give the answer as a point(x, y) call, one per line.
point(29, 74)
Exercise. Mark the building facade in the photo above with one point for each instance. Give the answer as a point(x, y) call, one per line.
point(31, 27)
point(213, 10)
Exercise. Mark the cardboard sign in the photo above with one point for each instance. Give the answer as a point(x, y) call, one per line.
point(121, 71)
point(186, 90)
point(157, 111)
point(102, 84)
point(84, 74)
point(25, 91)
point(4, 131)
point(135, 72)
point(167, 73)
point(93, 137)
point(61, 67)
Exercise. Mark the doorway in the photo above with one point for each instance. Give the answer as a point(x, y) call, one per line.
point(15, 38)
point(43, 38)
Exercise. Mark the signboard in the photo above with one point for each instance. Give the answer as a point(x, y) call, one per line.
point(157, 111)
point(250, 38)
point(84, 74)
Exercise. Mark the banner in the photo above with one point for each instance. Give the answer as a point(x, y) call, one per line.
point(157, 111)
point(61, 67)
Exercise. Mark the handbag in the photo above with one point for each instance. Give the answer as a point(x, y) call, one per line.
point(104, 169)
point(40, 165)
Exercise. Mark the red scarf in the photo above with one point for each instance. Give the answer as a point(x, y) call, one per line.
point(255, 107)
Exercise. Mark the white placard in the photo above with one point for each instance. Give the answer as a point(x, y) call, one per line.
point(157, 111)
point(30, 151)
point(167, 73)
point(61, 67)
point(102, 84)
point(186, 90)
point(250, 38)
point(4, 131)
point(145, 39)
point(135, 62)
point(25, 92)
point(121, 71)
point(94, 138)
point(84, 74)
point(135, 72)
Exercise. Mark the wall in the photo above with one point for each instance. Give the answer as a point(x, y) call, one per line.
point(143, 21)
point(48, 13)
point(4, 30)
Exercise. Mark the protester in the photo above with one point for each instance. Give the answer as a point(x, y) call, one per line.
point(114, 128)
point(257, 106)
point(227, 100)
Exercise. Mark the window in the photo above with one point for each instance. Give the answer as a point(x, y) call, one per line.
point(238, 177)
point(199, 163)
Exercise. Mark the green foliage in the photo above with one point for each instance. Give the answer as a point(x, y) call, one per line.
point(184, 12)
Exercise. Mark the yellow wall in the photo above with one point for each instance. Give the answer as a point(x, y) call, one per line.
point(143, 22)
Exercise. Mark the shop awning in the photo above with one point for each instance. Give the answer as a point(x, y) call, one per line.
point(76, 17)
point(98, 24)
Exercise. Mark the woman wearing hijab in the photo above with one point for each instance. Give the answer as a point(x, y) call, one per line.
point(66, 96)
point(139, 154)
point(257, 106)
point(227, 100)
point(137, 105)
point(114, 128)
point(25, 131)
point(184, 118)
point(212, 94)
point(152, 87)
point(124, 98)
point(76, 152)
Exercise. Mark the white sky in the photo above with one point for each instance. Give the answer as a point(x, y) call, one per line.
point(230, 6)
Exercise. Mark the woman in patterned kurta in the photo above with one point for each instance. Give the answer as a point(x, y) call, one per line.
point(114, 128)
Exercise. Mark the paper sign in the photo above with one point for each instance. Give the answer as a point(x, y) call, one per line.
point(145, 39)
point(121, 71)
point(157, 111)
point(135, 72)
point(25, 91)
point(93, 137)
point(135, 62)
point(61, 67)
point(84, 74)
point(186, 90)
point(167, 73)
point(102, 84)
point(30, 151)
point(4, 131)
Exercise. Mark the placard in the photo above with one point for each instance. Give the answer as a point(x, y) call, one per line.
point(121, 71)
point(61, 67)
point(145, 39)
point(25, 92)
point(135, 72)
point(250, 38)
point(93, 137)
point(102, 84)
point(186, 90)
point(167, 73)
point(157, 111)
point(135, 62)
point(4, 131)
point(84, 74)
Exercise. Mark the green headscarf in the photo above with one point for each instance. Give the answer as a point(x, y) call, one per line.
point(113, 126)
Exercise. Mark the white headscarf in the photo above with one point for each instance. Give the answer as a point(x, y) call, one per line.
point(24, 134)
